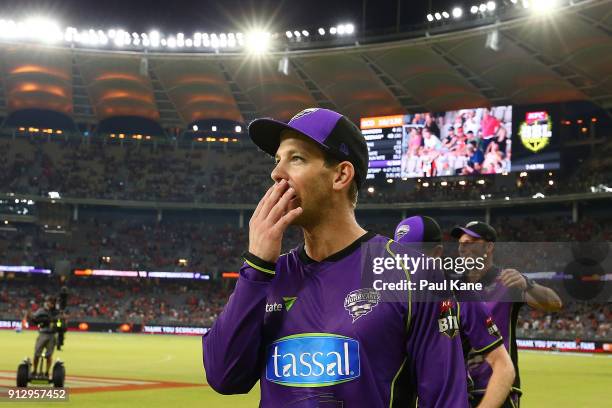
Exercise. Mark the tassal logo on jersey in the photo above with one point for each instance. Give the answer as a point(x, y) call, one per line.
point(448, 323)
point(312, 360)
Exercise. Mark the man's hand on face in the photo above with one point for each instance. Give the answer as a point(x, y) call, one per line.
point(270, 220)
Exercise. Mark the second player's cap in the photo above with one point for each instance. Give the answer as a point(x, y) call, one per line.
point(418, 229)
point(476, 229)
point(333, 132)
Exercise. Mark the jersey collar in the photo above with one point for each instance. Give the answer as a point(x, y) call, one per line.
point(338, 255)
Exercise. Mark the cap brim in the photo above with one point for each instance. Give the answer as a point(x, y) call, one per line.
point(457, 232)
point(266, 133)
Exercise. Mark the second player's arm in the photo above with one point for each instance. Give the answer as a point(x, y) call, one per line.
point(538, 296)
point(501, 380)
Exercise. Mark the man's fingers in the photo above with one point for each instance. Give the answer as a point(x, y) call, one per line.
point(287, 219)
point(262, 201)
point(512, 281)
point(275, 195)
point(280, 208)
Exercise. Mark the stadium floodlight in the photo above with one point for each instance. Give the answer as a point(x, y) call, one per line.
point(333, 30)
point(223, 40)
point(543, 6)
point(321, 31)
point(349, 28)
point(258, 42)
point(231, 40)
point(289, 34)
point(390, 180)
point(214, 128)
point(371, 190)
point(40, 29)
point(444, 183)
point(457, 12)
point(195, 128)
point(491, 5)
point(438, 16)
point(297, 34)
point(189, 43)
point(482, 8)
point(171, 42)
point(445, 14)
point(238, 129)
point(102, 38)
point(341, 29)
point(214, 40)
point(154, 38)
point(305, 33)
point(425, 184)
point(474, 9)
point(430, 18)
point(164, 42)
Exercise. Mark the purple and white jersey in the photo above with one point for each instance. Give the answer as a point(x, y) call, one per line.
point(315, 336)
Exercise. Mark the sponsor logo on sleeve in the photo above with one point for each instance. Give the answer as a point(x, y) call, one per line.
point(492, 327)
point(312, 360)
point(448, 323)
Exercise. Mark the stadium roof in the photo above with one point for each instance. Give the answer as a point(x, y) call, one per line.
point(563, 57)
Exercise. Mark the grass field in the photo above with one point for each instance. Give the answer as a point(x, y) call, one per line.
point(550, 380)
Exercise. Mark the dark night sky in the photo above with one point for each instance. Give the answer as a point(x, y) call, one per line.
point(223, 15)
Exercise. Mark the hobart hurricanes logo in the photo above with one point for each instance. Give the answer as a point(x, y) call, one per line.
point(536, 131)
point(303, 113)
point(360, 302)
point(448, 323)
point(401, 231)
point(312, 360)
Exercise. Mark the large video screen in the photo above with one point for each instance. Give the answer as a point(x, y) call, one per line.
point(462, 142)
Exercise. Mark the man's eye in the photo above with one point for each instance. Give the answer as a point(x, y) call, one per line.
point(297, 158)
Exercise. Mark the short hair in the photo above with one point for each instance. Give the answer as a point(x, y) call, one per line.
point(353, 191)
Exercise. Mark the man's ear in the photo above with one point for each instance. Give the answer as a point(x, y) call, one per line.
point(344, 175)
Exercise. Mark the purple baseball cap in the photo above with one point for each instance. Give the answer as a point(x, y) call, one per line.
point(475, 229)
point(418, 229)
point(333, 132)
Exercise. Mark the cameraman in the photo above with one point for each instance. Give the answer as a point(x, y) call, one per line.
point(46, 318)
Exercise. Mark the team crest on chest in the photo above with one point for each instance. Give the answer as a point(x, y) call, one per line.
point(360, 302)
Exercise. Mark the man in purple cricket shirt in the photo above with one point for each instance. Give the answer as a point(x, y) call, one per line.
point(479, 334)
point(305, 324)
point(504, 287)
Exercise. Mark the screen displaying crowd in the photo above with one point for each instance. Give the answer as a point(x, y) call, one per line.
point(464, 142)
